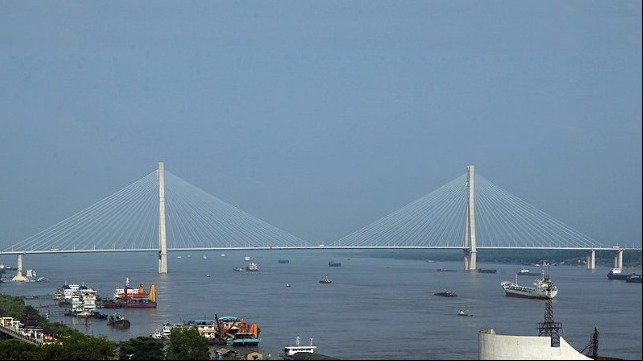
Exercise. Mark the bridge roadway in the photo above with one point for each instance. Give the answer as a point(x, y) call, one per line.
point(591, 252)
point(320, 247)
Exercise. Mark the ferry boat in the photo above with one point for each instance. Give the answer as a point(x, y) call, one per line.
point(291, 350)
point(543, 288)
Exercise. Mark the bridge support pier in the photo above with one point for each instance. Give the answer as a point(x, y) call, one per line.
point(591, 259)
point(19, 263)
point(470, 260)
point(618, 259)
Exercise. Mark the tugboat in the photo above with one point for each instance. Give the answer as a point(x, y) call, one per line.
point(617, 274)
point(118, 321)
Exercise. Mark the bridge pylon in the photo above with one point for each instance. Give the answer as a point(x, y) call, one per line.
point(470, 251)
point(162, 233)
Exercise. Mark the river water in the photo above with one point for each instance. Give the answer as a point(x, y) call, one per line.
point(375, 308)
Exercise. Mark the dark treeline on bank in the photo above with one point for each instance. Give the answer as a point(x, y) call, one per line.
point(519, 257)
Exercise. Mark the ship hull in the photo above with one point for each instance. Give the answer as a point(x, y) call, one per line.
point(527, 295)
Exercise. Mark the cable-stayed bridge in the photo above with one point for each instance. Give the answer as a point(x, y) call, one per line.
point(162, 212)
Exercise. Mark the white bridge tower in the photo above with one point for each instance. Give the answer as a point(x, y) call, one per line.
point(162, 234)
point(470, 225)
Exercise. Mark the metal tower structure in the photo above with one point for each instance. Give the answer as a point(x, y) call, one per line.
point(550, 328)
point(470, 224)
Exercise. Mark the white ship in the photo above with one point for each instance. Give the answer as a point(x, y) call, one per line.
point(289, 351)
point(543, 287)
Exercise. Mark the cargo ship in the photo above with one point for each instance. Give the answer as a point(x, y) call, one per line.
point(543, 288)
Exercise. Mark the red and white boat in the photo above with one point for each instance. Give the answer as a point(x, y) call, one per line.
point(129, 297)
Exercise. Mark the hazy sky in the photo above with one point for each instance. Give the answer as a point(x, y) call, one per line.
point(320, 117)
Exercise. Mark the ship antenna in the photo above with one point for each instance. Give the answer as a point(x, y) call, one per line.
point(549, 327)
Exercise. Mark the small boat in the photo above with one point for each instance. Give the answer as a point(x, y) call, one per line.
point(283, 261)
point(291, 350)
point(98, 315)
point(205, 257)
point(287, 284)
point(542, 288)
point(446, 270)
point(334, 264)
point(325, 280)
point(462, 313)
point(445, 294)
point(251, 267)
point(486, 270)
point(164, 332)
point(119, 321)
point(526, 272)
point(633, 278)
